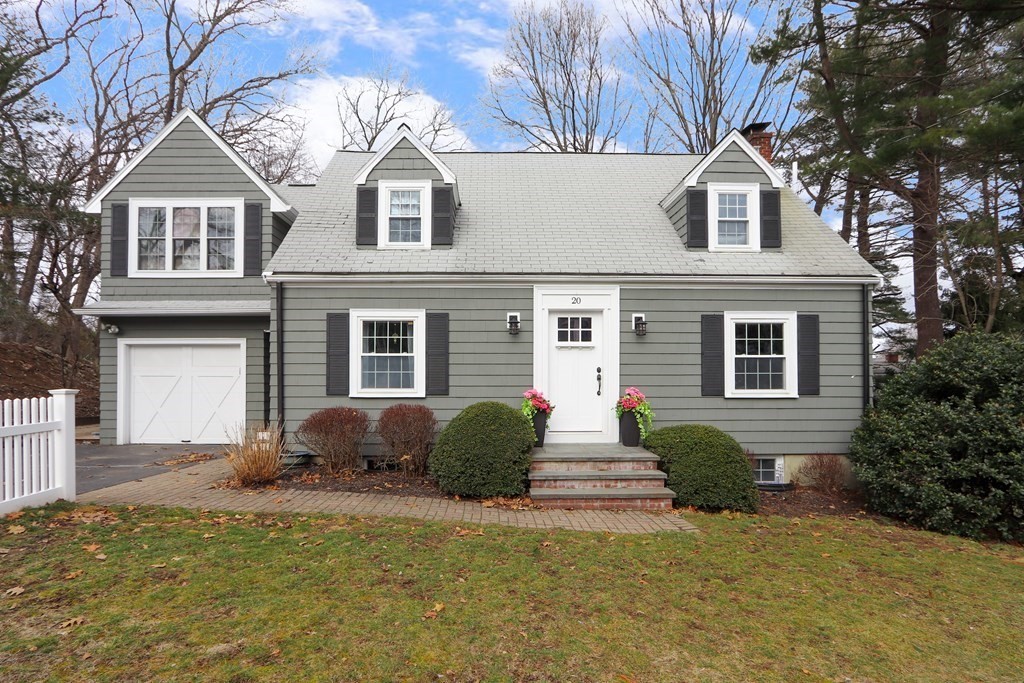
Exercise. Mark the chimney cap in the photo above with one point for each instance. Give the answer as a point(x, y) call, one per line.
point(752, 128)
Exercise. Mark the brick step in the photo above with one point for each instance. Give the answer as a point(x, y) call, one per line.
point(641, 460)
point(604, 499)
point(590, 479)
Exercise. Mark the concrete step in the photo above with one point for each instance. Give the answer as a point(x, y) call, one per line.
point(638, 460)
point(591, 479)
point(604, 499)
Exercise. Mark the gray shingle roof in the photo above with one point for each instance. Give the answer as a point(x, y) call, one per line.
point(536, 213)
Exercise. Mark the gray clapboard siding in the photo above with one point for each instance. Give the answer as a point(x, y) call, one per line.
point(250, 329)
point(187, 164)
point(486, 362)
point(666, 366)
point(732, 166)
point(404, 162)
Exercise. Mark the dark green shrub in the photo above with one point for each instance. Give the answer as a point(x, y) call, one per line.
point(944, 446)
point(706, 467)
point(484, 451)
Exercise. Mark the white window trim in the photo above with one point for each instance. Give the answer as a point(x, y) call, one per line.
point(788, 320)
point(134, 204)
point(384, 189)
point(753, 192)
point(356, 319)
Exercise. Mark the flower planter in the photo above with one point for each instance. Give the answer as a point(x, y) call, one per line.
point(629, 429)
point(540, 425)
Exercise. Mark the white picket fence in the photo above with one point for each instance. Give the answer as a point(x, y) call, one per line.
point(37, 450)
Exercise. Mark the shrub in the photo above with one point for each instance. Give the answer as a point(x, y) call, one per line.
point(256, 454)
point(706, 467)
point(944, 446)
point(336, 435)
point(484, 451)
point(406, 433)
point(823, 472)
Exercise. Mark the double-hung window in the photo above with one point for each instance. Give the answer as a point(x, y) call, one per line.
point(760, 355)
point(734, 217)
point(185, 238)
point(388, 353)
point(404, 214)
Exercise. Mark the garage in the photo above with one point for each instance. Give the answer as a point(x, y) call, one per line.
point(180, 391)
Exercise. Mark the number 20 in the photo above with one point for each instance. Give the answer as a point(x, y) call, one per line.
point(577, 300)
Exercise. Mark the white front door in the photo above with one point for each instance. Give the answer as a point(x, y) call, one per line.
point(576, 356)
point(182, 393)
point(576, 371)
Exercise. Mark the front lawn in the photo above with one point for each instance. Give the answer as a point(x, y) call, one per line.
point(143, 594)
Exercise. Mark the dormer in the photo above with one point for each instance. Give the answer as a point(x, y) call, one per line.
point(406, 197)
point(731, 200)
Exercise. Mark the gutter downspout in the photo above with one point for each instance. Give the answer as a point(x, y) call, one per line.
point(867, 346)
point(278, 322)
point(266, 377)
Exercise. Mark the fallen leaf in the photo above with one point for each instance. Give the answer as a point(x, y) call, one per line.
point(459, 531)
point(91, 548)
point(4, 551)
point(74, 621)
point(87, 656)
point(15, 515)
point(101, 557)
point(433, 613)
point(17, 590)
point(208, 535)
point(159, 565)
point(826, 555)
point(73, 575)
point(15, 529)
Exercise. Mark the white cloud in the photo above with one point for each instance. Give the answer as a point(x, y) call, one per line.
point(315, 100)
point(341, 21)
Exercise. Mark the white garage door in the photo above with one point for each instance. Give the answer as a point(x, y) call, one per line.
point(185, 393)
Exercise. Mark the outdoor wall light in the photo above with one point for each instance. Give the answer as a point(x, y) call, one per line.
point(111, 329)
point(512, 323)
point(639, 324)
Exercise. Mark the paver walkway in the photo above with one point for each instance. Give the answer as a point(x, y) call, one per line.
point(191, 487)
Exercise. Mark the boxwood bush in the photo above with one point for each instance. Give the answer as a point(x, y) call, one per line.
point(484, 451)
point(706, 467)
point(944, 446)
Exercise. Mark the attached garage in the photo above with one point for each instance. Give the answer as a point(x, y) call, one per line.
point(177, 391)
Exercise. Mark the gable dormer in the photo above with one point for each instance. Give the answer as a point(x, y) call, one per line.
point(730, 201)
point(406, 197)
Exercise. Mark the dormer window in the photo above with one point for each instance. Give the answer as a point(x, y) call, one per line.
point(404, 214)
point(734, 217)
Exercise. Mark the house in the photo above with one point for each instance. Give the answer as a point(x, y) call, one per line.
point(450, 278)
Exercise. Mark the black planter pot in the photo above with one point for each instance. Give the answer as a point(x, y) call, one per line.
point(629, 429)
point(540, 425)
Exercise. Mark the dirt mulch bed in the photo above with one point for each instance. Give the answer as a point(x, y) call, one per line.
point(314, 478)
point(27, 371)
point(803, 502)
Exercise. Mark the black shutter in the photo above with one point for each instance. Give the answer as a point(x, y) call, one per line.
point(366, 216)
point(771, 218)
point(696, 218)
point(337, 354)
point(437, 354)
point(119, 240)
point(443, 210)
point(253, 254)
point(808, 356)
point(712, 355)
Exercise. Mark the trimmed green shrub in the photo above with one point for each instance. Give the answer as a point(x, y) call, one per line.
point(944, 446)
point(706, 467)
point(484, 451)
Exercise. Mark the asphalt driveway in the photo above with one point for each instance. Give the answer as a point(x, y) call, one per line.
point(98, 466)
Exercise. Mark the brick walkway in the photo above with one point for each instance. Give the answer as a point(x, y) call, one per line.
point(191, 488)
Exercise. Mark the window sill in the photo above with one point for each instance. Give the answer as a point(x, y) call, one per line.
point(760, 394)
point(179, 274)
point(387, 394)
point(734, 249)
point(403, 247)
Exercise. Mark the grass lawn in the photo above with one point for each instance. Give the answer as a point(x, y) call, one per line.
point(153, 594)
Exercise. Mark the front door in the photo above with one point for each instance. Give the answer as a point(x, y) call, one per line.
point(576, 372)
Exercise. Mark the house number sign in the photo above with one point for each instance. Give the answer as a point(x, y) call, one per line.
point(577, 300)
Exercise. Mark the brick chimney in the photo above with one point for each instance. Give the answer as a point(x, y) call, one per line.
point(760, 139)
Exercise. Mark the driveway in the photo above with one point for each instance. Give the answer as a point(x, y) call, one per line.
point(98, 466)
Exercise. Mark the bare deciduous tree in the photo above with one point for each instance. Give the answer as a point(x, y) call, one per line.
point(376, 103)
point(558, 88)
point(693, 59)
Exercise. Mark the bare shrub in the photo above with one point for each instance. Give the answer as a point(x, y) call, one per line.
point(406, 432)
point(337, 436)
point(256, 454)
point(824, 472)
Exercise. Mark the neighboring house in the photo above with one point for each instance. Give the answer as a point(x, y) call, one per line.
point(449, 278)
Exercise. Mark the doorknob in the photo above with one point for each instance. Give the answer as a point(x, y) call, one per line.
point(599, 381)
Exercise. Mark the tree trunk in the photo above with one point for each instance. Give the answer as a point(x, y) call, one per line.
point(927, 310)
point(846, 231)
point(863, 219)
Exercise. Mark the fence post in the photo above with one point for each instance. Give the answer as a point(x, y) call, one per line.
point(64, 440)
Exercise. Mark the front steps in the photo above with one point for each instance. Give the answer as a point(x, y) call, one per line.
point(598, 477)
